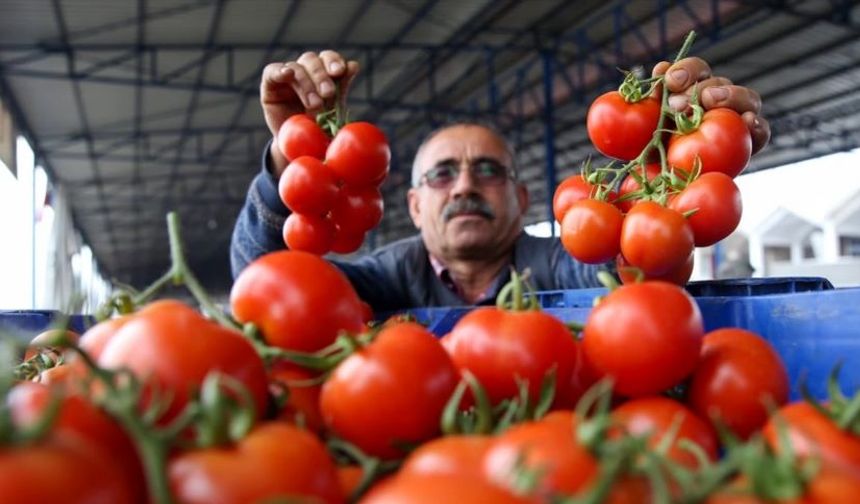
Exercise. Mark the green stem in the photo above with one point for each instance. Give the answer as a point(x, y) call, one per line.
point(153, 289)
point(685, 47)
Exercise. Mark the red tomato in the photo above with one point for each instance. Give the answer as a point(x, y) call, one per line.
point(498, 345)
point(95, 339)
point(309, 233)
point(647, 336)
point(345, 243)
point(717, 201)
point(655, 416)
point(590, 231)
point(629, 185)
point(62, 468)
point(619, 129)
point(826, 487)
point(297, 300)
point(391, 393)
point(436, 489)
point(812, 434)
point(722, 143)
point(359, 155)
point(678, 276)
point(357, 210)
point(548, 446)
point(174, 347)
point(302, 136)
point(308, 186)
point(45, 339)
point(449, 455)
point(571, 189)
point(303, 402)
point(655, 239)
point(76, 416)
point(738, 370)
point(273, 460)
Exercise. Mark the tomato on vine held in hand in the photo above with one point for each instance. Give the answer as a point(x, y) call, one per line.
point(657, 416)
point(619, 129)
point(359, 155)
point(591, 230)
point(813, 435)
point(571, 190)
point(297, 300)
point(357, 210)
point(629, 185)
point(717, 201)
point(174, 347)
point(309, 233)
point(655, 239)
point(274, 460)
point(722, 143)
point(738, 374)
point(301, 136)
point(678, 276)
point(308, 186)
point(389, 395)
point(497, 346)
point(647, 336)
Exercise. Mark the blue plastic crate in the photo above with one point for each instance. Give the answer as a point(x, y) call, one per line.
point(811, 325)
point(25, 324)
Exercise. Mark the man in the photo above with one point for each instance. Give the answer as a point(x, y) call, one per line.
point(465, 198)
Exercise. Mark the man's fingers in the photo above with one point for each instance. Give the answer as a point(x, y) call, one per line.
point(759, 130)
point(683, 74)
point(738, 98)
point(302, 85)
point(681, 101)
point(315, 68)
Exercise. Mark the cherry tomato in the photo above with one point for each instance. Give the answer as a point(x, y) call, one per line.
point(302, 136)
point(619, 129)
point(391, 393)
point(449, 455)
point(303, 401)
point(345, 243)
point(309, 233)
point(572, 189)
point(629, 185)
point(655, 239)
point(359, 155)
point(738, 372)
point(357, 210)
point(297, 300)
point(678, 276)
point(591, 230)
point(722, 143)
point(436, 489)
point(717, 201)
point(647, 336)
point(273, 461)
point(308, 186)
point(45, 339)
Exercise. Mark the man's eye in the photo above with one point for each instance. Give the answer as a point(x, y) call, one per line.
point(489, 169)
point(441, 173)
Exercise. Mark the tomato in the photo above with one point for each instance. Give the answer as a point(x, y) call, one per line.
point(436, 489)
point(548, 446)
point(722, 143)
point(655, 416)
point(357, 210)
point(391, 393)
point(45, 339)
point(345, 243)
point(655, 239)
point(449, 455)
point(647, 336)
point(173, 347)
point(298, 301)
point(812, 434)
point(359, 155)
point(303, 401)
point(619, 129)
point(300, 136)
point(497, 345)
point(629, 185)
point(591, 230)
point(717, 201)
point(826, 487)
point(273, 460)
point(62, 468)
point(571, 190)
point(309, 233)
point(97, 337)
point(349, 478)
point(308, 186)
point(737, 373)
point(678, 276)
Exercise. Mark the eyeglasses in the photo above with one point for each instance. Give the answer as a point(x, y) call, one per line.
point(485, 172)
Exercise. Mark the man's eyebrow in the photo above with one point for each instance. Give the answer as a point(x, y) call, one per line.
point(479, 159)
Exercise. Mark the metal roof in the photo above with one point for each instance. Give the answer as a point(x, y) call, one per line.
point(141, 107)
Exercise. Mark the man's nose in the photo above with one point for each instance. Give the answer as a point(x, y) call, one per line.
point(464, 183)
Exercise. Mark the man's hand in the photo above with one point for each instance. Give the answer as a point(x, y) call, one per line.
point(694, 73)
point(306, 85)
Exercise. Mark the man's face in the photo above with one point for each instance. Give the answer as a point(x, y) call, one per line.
point(467, 206)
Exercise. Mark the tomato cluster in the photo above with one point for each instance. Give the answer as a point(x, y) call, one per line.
point(331, 185)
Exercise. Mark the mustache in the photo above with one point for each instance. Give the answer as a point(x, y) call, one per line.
point(467, 205)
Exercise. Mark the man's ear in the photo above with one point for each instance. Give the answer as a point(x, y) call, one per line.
point(413, 200)
point(523, 198)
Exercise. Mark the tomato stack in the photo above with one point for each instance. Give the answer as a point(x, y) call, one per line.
point(331, 185)
point(674, 191)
